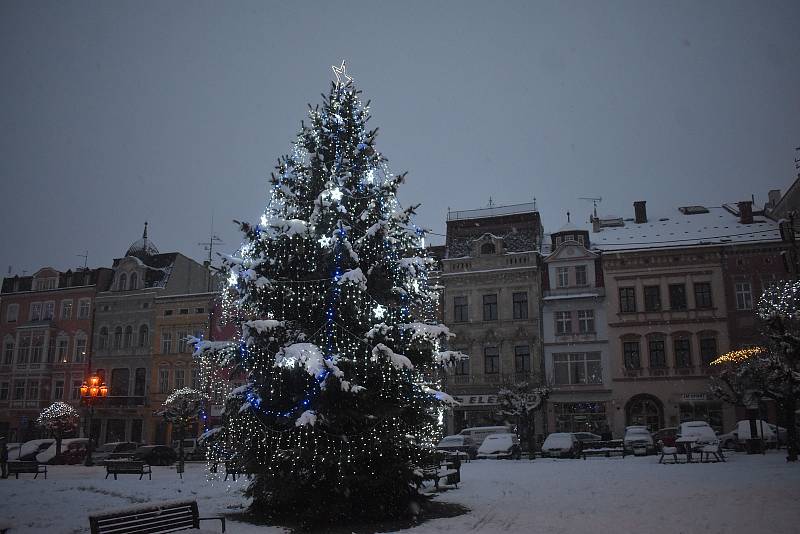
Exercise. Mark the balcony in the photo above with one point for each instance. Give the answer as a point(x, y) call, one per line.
point(668, 372)
point(574, 292)
point(121, 401)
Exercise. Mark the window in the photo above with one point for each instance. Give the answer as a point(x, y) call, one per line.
point(491, 359)
point(134, 283)
point(180, 340)
point(163, 380)
point(102, 340)
point(652, 298)
point(24, 349)
point(744, 296)
point(563, 322)
point(462, 367)
point(144, 335)
point(195, 378)
point(75, 390)
point(19, 390)
point(586, 321)
point(627, 299)
point(658, 357)
point(62, 348)
point(631, 355)
point(184, 311)
point(83, 309)
point(180, 378)
point(677, 297)
point(12, 313)
point(702, 295)
point(522, 359)
point(460, 310)
point(139, 382)
point(487, 248)
point(580, 274)
point(36, 311)
point(66, 309)
point(199, 310)
point(708, 349)
point(127, 341)
point(58, 390)
point(36, 350)
point(490, 307)
point(3, 391)
point(683, 353)
point(562, 276)
point(33, 390)
point(118, 337)
point(577, 368)
point(8, 353)
point(520, 305)
point(120, 382)
point(80, 349)
point(49, 310)
point(581, 241)
point(166, 342)
point(123, 282)
point(167, 313)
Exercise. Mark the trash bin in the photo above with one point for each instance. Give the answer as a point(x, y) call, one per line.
point(754, 446)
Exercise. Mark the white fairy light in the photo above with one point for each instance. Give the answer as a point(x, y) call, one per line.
point(324, 241)
point(379, 311)
point(336, 194)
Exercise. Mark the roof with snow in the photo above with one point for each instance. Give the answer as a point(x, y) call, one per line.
point(677, 228)
point(142, 248)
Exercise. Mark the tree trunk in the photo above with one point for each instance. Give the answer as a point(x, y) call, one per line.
point(58, 437)
point(789, 407)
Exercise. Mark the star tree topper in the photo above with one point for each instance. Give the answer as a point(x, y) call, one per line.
point(341, 72)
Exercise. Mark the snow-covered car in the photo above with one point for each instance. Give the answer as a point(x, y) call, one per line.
point(107, 449)
point(149, 454)
point(561, 445)
point(73, 451)
point(479, 433)
point(737, 438)
point(500, 446)
point(638, 440)
point(587, 437)
point(193, 448)
point(13, 450)
point(29, 449)
point(701, 431)
point(781, 434)
point(458, 443)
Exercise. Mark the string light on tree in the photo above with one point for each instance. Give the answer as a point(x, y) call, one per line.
point(738, 356)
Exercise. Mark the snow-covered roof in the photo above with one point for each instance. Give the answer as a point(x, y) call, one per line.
point(675, 229)
point(569, 227)
point(142, 248)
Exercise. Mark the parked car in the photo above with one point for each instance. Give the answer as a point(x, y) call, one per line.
point(665, 437)
point(458, 443)
point(561, 445)
point(105, 450)
point(13, 450)
point(700, 430)
point(149, 454)
point(637, 439)
point(193, 449)
point(29, 449)
point(73, 451)
point(500, 446)
point(737, 438)
point(479, 433)
point(781, 433)
point(586, 437)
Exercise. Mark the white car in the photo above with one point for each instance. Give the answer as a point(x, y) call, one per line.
point(458, 443)
point(561, 445)
point(701, 431)
point(736, 438)
point(500, 446)
point(637, 439)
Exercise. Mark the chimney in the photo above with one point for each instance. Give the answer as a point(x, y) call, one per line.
point(774, 196)
point(746, 212)
point(640, 211)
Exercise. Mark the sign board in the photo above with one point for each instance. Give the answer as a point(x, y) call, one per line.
point(476, 400)
point(694, 396)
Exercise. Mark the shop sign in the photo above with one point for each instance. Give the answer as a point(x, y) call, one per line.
point(694, 396)
point(476, 400)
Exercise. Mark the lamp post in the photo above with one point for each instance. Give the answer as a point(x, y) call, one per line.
point(93, 388)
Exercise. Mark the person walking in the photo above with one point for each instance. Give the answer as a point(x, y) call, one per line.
point(3, 458)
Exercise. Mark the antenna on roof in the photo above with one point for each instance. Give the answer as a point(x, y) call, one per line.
point(568, 217)
point(85, 257)
point(491, 202)
point(594, 201)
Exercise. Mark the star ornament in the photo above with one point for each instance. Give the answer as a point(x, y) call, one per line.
point(379, 311)
point(324, 241)
point(341, 72)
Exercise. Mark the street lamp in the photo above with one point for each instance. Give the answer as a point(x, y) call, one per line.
point(93, 388)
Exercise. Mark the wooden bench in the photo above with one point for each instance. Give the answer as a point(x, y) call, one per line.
point(128, 467)
point(153, 518)
point(233, 470)
point(447, 467)
point(603, 448)
point(19, 466)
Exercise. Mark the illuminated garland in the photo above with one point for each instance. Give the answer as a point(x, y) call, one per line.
point(738, 356)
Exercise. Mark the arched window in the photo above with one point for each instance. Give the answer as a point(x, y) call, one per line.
point(487, 248)
point(144, 335)
point(128, 341)
point(645, 410)
point(123, 282)
point(102, 341)
point(117, 337)
point(134, 281)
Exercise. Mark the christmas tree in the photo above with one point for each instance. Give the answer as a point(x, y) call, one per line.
point(339, 345)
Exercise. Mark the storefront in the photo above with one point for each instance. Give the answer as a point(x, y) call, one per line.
point(589, 416)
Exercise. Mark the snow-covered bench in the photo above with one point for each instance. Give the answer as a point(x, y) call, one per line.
point(603, 448)
point(18, 466)
point(233, 470)
point(128, 467)
point(153, 518)
point(447, 468)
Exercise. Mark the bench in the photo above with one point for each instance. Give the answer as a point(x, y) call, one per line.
point(18, 466)
point(165, 517)
point(233, 470)
point(603, 448)
point(128, 467)
point(447, 468)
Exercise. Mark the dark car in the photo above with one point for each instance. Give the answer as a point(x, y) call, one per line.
point(149, 454)
point(665, 437)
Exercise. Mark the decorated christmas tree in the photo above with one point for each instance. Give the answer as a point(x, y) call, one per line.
point(339, 347)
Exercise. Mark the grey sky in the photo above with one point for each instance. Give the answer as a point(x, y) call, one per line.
point(116, 112)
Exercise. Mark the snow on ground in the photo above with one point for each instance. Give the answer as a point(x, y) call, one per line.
point(596, 496)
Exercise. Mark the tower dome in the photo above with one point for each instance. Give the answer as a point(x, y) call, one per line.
point(142, 248)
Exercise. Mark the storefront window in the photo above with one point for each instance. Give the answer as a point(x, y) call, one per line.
point(580, 416)
point(710, 412)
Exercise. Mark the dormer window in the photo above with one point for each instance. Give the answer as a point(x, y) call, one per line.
point(123, 282)
point(134, 283)
point(488, 248)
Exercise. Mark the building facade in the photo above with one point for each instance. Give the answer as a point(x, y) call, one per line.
point(575, 335)
point(491, 303)
point(45, 328)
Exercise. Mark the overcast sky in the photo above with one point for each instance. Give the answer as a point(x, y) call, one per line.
point(113, 113)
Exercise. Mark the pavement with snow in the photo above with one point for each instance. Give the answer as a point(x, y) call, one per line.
point(595, 496)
